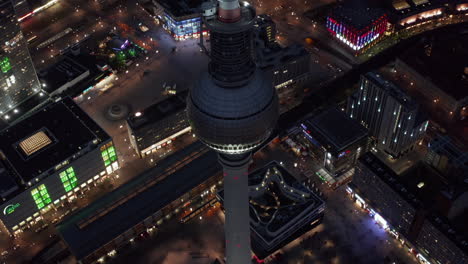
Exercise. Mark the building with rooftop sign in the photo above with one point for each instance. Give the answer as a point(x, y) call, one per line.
point(48, 158)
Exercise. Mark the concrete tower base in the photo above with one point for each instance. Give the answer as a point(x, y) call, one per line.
point(236, 205)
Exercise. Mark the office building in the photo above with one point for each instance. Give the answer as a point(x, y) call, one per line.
point(287, 67)
point(142, 205)
point(275, 223)
point(448, 156)
point(158, 125)
point(357, 27)
point(392, 117)
point(335, 141)
point(18, 79)
point(409, 206)
point(437, 68)
point(265, 29)
point(48, 158)
point(375, 185)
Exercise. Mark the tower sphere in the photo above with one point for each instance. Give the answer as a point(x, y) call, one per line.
point(233, 120)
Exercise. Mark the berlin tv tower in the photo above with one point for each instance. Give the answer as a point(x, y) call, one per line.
point(232, 108)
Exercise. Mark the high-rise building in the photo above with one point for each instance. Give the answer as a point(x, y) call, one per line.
point(233, 109)
point(18, 78)
point(392, 117)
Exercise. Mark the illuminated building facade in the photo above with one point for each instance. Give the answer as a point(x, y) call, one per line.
point(183, 29)
point(18, 79)
point(158, 125)
point(392, 117)
point(49, 158)
point(357, 28)
point(182, 19)
point(178, 189)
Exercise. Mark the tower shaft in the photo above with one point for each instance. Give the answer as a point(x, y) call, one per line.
point(236, 205)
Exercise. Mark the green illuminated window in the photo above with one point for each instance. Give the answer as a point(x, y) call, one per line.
point(41, 196)
point(108, 154)
point(5, 65)
point(68, 178)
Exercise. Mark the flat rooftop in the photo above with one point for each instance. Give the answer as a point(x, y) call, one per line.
point(180, 8)
point(395, 91)
point(60, 73)
point(116, 212)
point(387, 175)
point(158, 111)
point(419, 186)
point(277, 201)
point(275, 55)
point(334, 129)
point(47, 137)
point(358, 17)
point(441, 59)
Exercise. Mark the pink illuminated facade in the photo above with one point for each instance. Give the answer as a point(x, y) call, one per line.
point(358, 39)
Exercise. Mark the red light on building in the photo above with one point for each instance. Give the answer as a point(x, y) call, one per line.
point(353, 32)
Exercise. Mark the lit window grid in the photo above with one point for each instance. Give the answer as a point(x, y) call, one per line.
point(68, 178)
point(41, 196)
point(109, 155)
point(5, 65)
point(354, 39)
